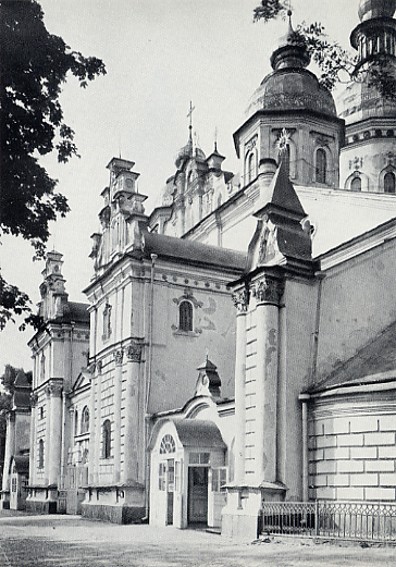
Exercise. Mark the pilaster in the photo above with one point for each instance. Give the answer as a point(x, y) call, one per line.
point(54, 391)
point(241, 302)
point(118, 357)
point(131, 465)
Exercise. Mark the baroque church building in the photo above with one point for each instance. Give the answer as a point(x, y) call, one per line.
point(238, 344)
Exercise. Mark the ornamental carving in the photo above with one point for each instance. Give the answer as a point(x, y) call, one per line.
point(134, 352)
point(33, 399)
point(118, 355)
point(241, 300)
point(54, 389)
point(251, 144)
point(269, 290)
point(99, 366)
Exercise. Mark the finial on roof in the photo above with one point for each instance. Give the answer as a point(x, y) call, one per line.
point(190, 116)
point(215, 140)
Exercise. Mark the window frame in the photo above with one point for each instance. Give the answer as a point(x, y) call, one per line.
point(186, 321)
point(106, 439)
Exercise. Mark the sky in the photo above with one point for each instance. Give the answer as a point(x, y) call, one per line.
point(159, 55)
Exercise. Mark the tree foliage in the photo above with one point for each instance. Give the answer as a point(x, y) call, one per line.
point(7, 380)
point(336, 64)
point(34, 65)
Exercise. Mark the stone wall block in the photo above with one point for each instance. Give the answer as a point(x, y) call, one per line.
point(326, 467)
point(352, 440)
point(350, 493)
point(350, 466)
point(363, 452)
point(326, 441)
point(388, 479)
point(326, 493)
point(364, 424)
point(336, 453)
point(364, 479)
point(387, 423)
point(337, 425)
point(317, 455)
point(387, 452)
point(338, 480)
point(381, 438)
point(380, 466)
point(380, 494)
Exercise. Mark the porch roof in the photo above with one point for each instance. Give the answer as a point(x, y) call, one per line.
point(199, 433)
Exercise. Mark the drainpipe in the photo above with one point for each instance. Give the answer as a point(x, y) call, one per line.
point(149, 365)
point(320, 276)
point(304, 398)
point(63, 440)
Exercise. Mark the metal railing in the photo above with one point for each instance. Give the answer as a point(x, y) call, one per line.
point(362, 521)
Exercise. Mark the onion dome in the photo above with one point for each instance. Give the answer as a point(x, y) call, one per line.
point(185, 152)
point(369, 9)
point(291, 86)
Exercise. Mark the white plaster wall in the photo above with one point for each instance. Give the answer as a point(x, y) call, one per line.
point(358, 302)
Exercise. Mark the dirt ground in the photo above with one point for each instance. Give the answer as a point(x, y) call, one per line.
point(70, 541)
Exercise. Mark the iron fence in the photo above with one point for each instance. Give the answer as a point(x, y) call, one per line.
point(362, 521)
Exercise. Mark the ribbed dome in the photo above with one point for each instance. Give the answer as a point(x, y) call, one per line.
point(187, 152)
point(369, 9)
point(292, 89)
point(291, 86)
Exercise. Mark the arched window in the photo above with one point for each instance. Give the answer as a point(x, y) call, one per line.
point(285, 155)
point(389, 182)
point(167, 444)
point(85, 420)
point(251, 167)
point(185, 316)
point(106, 439)
point(321, 165)
point(41, 454)
point(356, 184)
point(76, 422)
point(42, 368)
point(106, 321)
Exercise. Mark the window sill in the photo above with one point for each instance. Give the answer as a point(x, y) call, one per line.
point(179, 332)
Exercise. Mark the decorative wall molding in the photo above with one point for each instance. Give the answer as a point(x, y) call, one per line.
point(241, 300)
point(118, 356)
point(269, 290)
point(134, 352)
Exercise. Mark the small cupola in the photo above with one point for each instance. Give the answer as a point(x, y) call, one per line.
point(209, 382)
point(291, 52)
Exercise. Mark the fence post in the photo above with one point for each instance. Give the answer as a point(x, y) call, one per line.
point(316, 517)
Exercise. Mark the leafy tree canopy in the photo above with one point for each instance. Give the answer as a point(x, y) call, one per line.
point(34, 65)
point(336, 64)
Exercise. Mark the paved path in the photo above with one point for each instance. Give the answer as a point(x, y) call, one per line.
point(70, 541)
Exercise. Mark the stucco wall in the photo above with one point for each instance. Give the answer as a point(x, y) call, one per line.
point(358, 302)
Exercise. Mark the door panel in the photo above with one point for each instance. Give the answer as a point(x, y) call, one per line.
point(198, 494)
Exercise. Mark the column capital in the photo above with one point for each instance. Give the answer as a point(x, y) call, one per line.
point(33, 399)
point(241, 300)
point(134, 352)
point(269, 290)
point(54, 389)
point(118, 356)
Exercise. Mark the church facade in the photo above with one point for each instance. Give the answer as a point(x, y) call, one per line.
point(241, 336)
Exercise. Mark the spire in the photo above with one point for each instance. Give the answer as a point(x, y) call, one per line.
point(190, 127)
point(292, 50)
point(283, 194)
